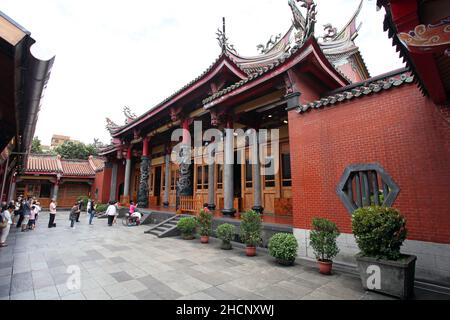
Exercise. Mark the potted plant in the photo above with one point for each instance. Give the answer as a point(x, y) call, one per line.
point(225, 232)
point(187, 226)
point(283, 247)
point(204, 220)
point(380, 233)
point(323, 241)
point(251, 231)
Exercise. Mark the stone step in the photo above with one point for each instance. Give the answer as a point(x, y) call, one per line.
point(167, 228)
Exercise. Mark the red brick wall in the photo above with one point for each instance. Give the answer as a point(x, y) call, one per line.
point(401, 130)
point(103, 183)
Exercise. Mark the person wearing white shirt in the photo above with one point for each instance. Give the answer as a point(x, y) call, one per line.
point(51, 219)
point(111, 212)
point(5, 231)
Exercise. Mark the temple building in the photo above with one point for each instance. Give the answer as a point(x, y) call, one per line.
point(345, 139)
point(48, 177)
point(23, 79)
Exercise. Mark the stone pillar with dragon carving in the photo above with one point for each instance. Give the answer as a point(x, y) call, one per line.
point(143, 182)
point(184, 184)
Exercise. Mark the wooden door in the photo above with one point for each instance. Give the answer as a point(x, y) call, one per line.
point(69, 192)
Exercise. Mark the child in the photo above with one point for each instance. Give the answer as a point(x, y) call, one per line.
point(32, 221)
point(74, 214)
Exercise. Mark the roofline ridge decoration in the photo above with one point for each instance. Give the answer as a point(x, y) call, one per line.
point(59, 164)
point(223, 56)
point(223, 40)
point(91, 163)
point(365, 88)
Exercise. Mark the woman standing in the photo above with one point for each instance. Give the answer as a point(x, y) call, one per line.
point(111, 212)
point(5, 231)
point(91, 210)
point(74, 213)
point(51, 218)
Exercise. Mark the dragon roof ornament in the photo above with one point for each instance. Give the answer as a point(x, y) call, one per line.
point(223, 40)
point(111, 126)
point(304, 26)
point(129, 115)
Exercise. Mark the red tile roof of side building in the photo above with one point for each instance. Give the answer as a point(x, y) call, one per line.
point(49, 164)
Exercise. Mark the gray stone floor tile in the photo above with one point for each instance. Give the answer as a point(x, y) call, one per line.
point(147, 295)
point(74, 296)
point(125, 263)
point(47, 293)
point(25, 295)
point(121, 276)
point(96, 294)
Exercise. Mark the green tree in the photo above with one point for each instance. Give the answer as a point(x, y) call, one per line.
point(75, 150)
point(36, 145)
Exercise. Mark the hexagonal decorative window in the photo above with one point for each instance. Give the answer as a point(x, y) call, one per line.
point(364, 185)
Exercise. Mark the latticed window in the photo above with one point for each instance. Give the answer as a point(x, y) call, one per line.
point(219, 176)
point(202, 177)
point(286, 169)
point(269, 177)
point(364, 185)
point(173, 179)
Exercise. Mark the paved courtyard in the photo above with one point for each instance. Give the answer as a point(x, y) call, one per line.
point(124, 263)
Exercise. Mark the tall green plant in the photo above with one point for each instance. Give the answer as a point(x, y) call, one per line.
point(204, 220)
point(379, 231)
point(251, 228)
point(323, 239)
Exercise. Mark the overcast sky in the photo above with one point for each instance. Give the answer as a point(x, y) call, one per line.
point(136, 53)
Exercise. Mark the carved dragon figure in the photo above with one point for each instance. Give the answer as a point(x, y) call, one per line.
point(223, 40)
point(304, 26)
point(111, 126)
point(269, 45)
point(330, 32)
point(129, 115)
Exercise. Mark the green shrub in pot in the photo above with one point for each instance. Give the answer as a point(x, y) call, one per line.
point(251, 231)
point(187, 226)
point(226, 232)
point(283, 247)
point(323, 241)
point(380, 232)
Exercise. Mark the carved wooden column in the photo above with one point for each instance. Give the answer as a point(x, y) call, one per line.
point(143, 182)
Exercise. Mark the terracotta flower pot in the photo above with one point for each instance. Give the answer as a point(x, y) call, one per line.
point(250, 251)
point(204, 239)
point(325, 267)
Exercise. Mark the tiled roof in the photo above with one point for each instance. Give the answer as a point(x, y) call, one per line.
point(281, 60)
point(77, 168)
point(186, 86)
point(373, 85)
point(98, 164)
point(253, 76)
point(66, 167)
point(43, 163)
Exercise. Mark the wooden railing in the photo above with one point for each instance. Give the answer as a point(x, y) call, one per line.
point(190, 204)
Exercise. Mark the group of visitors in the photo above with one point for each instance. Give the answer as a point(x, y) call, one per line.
point(23, 213)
